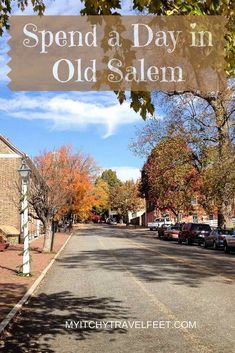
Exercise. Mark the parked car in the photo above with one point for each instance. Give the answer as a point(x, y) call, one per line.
point(111, 221)
point(229, 242)
point(158, 222)
point(194, 233)
point(172, 232)
point(161, 230)
point(216, 238)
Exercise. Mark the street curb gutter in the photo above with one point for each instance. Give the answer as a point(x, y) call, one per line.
point(30, 291)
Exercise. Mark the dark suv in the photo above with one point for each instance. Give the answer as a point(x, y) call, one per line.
point(194, 233)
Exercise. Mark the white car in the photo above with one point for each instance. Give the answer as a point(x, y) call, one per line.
point(111, 221)
point(229, 242)
point(159, 222)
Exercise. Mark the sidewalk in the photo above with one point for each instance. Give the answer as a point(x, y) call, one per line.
point(13, 287)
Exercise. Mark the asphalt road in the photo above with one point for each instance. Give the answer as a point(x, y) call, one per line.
point(129, 280)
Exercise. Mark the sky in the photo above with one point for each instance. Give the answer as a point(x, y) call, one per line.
point(93, 122)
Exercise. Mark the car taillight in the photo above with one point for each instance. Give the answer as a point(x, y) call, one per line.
point(221, 237)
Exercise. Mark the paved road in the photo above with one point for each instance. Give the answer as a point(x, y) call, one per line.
point(126, 277)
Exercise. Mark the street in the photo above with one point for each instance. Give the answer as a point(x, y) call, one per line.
point(127, 275)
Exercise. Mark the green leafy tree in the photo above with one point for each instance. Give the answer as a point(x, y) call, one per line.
point(110, 177)
point(101, 206)
point(125, 197)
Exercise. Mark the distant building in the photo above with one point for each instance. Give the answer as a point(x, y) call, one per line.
point(137, 218)
point(198, 215)
point(10, 161)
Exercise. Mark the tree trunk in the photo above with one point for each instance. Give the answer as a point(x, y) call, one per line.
point(220, 216)
point(178, 217)
point(47, 237)
point(222, 134)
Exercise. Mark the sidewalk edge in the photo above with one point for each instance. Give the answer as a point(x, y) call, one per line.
point(5, 322)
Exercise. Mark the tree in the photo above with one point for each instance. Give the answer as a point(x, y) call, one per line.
point(125, 197)
point(148, 136)
point(6, 10)
point(101, 204)
point(207, 125)
point(110, 177)
point(169, 178)
point(62, 187)
point(217, 189)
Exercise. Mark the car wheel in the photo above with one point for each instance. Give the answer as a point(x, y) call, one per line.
point(205, 245)
point(187, 241)
point(215, 247)
point(179, 241)
point(226, 248)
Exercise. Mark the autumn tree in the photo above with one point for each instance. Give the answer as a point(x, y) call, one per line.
point(62, 186)
point(125, 198)
point(217, 189)
point(205, 131)
point(6, 7)
point(169, 178)
point(209, 128)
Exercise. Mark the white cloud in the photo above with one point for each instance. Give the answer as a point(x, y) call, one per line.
point(71, 111)
point(127, 173)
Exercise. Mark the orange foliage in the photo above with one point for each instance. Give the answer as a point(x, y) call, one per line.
point(69, 177)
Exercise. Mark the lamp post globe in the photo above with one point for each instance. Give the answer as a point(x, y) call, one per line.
point(24, 171)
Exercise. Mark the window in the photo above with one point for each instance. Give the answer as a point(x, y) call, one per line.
point(201, 227)
point(195, 217)
point(211, 217)
point(194, 201)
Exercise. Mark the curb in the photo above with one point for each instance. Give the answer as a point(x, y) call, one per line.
point(30, 291)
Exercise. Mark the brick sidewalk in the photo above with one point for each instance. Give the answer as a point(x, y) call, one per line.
point(13, 287)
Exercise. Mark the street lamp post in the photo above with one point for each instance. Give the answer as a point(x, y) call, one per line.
point(24, 172)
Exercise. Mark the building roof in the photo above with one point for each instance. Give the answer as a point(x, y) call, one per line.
point(8, 230)
point(11, 146)
point(24, 156)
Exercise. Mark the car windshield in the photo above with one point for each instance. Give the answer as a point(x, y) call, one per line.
point(226, 231)
point(175, 227)
point(201, 227)
point(159, 220)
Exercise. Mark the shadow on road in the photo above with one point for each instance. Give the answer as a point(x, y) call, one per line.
point(45, 317)
point(147, 265)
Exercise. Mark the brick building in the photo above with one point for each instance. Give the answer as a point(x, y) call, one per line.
point(10, 161)
point(197, 215)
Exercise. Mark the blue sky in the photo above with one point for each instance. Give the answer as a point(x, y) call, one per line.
point(91, 121)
